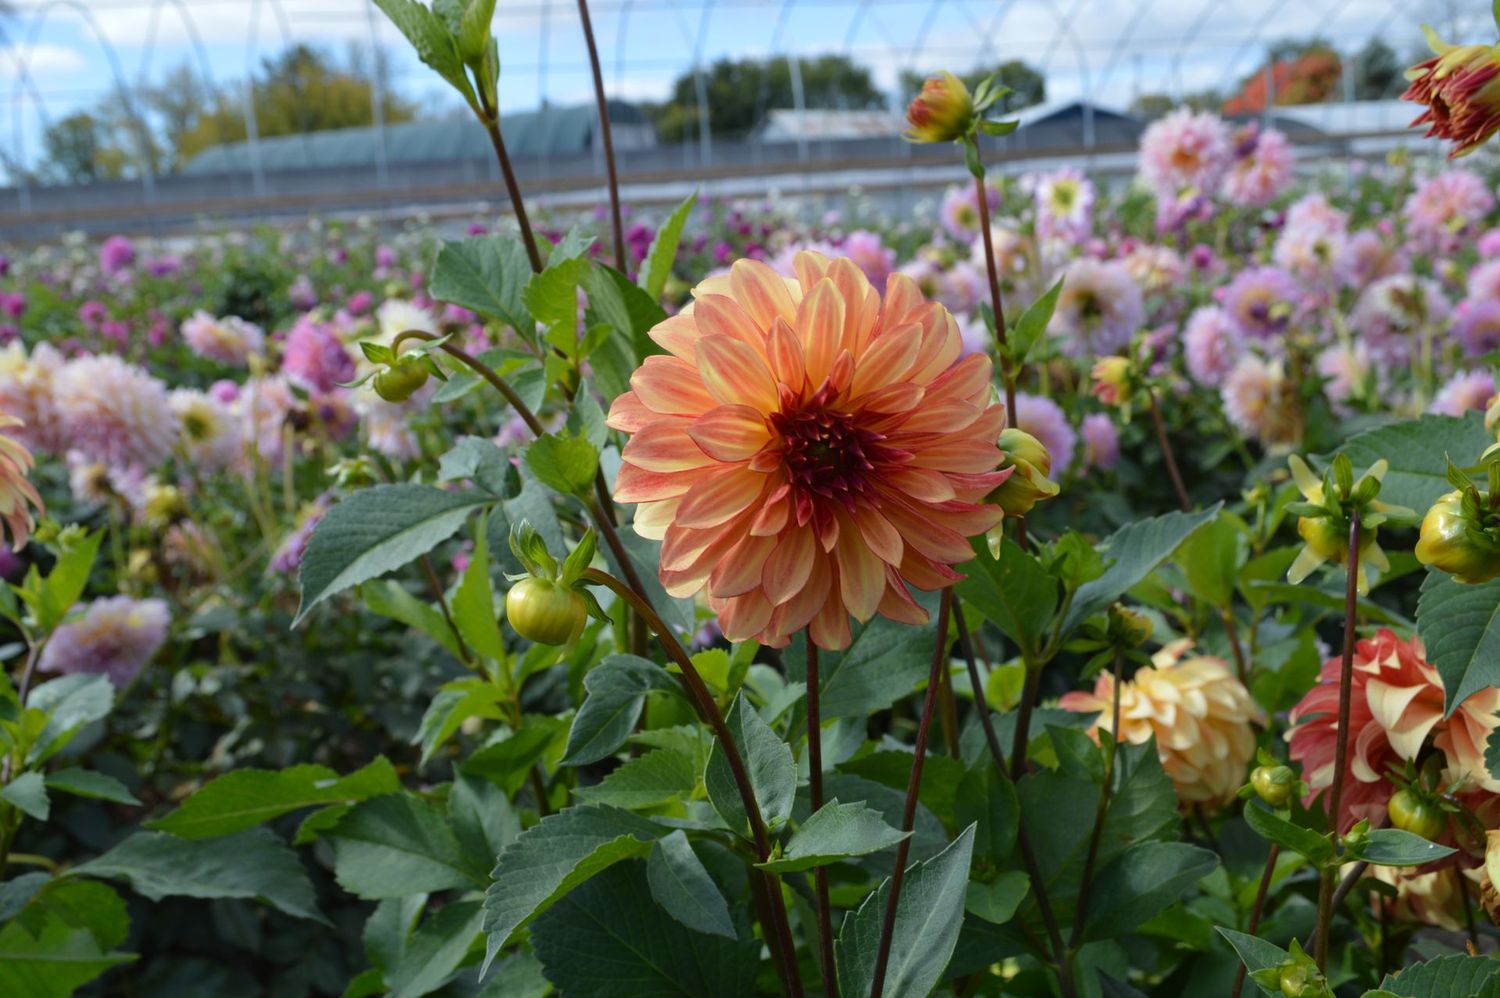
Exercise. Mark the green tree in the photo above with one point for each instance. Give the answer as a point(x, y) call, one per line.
point(76, 153)
point(741, 91)
point(1028, 85)
point(1377, 72)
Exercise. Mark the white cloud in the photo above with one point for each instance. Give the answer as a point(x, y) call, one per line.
point(42, 60)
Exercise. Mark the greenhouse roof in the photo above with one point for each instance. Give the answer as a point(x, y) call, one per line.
point(550, 131)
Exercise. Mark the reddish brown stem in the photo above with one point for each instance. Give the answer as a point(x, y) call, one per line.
point(1166, 452)
point(1255, 909)
point(1102, 811)
point(512, 186)
point(1341, 745)
point(605, 135)
point(913, 787)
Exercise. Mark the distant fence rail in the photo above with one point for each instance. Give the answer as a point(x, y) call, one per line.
point(182, 204)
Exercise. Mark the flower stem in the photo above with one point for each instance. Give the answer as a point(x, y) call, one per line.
point(491, 118)
point(1166, 452)
point(1255, 909)
point(1341, 745)
point(1101, 812)
point(464, 654)
point(1242, 667)
point(913, 785)
point(1023, 841)
point(997, 304)
point(605, 135)
point(1023, 721)
point(815, 791)
point(708, 710)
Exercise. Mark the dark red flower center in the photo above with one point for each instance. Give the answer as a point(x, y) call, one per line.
point(827, 454)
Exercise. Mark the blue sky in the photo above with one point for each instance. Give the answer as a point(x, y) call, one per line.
point(1107, 48)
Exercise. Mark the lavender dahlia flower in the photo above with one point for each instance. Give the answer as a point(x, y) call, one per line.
point(1210, 346)
point(230, 340)
point(1044, 419)
point(1261, 302)
point(314, 358)
point(115, 637)
point(1262, 167)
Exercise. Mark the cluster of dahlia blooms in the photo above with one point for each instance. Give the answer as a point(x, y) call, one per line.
point(1396, 717)
point(1201, 716)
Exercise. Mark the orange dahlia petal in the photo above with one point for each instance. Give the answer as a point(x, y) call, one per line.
point(720, 315)
point(729, 432)
point(669, 385)
point(735, 373)
point(743, 617)
point(739, 571)
point(627, 413)
point(889, 357)
point(789, 566)
point(820, 324)
point(677, 334)
point(883, 538)
point(830, 626)
point(762, 292)
point(665, 446)
point(719, 497)
point(810, 268)
point(639, 485)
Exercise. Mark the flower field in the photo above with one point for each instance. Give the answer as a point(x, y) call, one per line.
point(1086, 586)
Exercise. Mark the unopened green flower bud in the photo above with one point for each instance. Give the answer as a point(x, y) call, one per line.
point(1452, 542)
point(398, 382)
point(942, 112)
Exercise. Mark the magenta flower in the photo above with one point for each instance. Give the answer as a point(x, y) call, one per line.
point(116, 254)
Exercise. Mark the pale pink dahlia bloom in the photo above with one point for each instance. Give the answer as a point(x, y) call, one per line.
point(26, 392)
point(1211, 346)
point(1185, 150)
point(1466, 391)
point(1099, 309)
point(1445, 206)
point(114, 412)
point(230, 340)
point(210, 439)
point(1260, 400)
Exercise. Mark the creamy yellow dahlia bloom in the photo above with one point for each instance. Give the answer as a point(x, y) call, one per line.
point(806, 449)
point(1199, 713)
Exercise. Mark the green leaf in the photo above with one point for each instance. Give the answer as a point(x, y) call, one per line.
point(997, 902)
point(883, 663)
point(987, 799)
point(554, 856)
point(82, 904)
point(1210, 557)
point(683, 888)
point(28, 792)
point(377, 530)
point(614, 693)
point(16, 893)
point(485, 274)
point(552, 295)
point(768, 764)
point(1014, 592)
point(435, 951)
point(608, 939)
point(395, 845)
point(1256, 954)
point(245, 798)
point(629, 312)
point(563, 463)
point(454, 704)
point(388, 928)
point(506, 762)
point(1445, 975)
point(390, 598)
point(88, 783)
point(66, 582)
point(929, 914)
point(646, 781)
point(1134, 551)
point(483, 820)
point(657, 266)
point(1033, 322)
point(474, 602)
point(834, 832)
point(474, 30)
point(1141, 883)
point(1274, 828)
point(477, 459)
point(1418, 452)
point(70, 702)
point(1394, 847)
point(432, 39)
point(253, 864)
point(51, 958)
point(1460, 626)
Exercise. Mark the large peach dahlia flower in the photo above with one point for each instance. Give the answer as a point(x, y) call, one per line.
point(807, 449)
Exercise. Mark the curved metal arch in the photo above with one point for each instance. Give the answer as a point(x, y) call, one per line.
point(1188, 38)
point(1064, 27)
point(988, 49)
point(919, 41)
point(252, 49)
point(1258, 35)
point(1142, 7)
point(622, 28)
point(143, 136)
point(185, 16)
